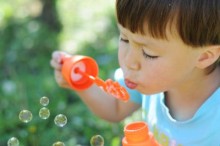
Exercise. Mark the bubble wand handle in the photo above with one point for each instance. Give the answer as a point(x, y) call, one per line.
point(108, 86)
point(99, 82)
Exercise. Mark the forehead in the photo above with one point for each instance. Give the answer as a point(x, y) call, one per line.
point(171, 35)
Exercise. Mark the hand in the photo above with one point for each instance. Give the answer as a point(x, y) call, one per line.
point(56, 63)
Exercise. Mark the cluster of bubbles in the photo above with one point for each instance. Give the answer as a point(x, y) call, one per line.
point(60, 120)
point(44, 113)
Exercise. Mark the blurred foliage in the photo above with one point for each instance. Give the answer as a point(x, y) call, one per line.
point(30, 30)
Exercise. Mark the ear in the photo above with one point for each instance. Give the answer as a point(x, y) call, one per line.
point(208, 56)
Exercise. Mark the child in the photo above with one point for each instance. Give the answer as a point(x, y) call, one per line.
point(169, 54)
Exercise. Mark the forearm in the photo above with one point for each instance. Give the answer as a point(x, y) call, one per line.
point(104, 105)
point(100, 103)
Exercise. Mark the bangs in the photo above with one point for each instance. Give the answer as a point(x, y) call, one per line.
point(197, 22)
point(135, 15)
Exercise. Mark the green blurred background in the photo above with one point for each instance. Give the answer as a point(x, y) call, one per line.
point(30, 30)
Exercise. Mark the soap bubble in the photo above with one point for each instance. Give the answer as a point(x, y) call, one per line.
point(60, 120)
point(44, 113)
point(25, 116)
point(13, 141)
point(44, 101)
point(58, 143)
point(97, 140)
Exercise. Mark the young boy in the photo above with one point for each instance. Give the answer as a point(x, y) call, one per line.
point(169, 54)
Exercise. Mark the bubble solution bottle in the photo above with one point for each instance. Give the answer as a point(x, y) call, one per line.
point(138, 134)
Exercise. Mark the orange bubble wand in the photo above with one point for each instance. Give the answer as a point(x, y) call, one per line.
point(81, 72)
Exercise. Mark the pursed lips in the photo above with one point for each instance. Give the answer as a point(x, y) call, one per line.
point(128, 79)
point(130, 84)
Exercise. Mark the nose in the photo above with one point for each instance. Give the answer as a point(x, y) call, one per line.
point(132, 59)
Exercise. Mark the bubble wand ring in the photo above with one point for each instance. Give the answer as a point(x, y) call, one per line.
point(116, 90)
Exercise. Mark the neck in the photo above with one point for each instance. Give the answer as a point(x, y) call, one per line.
point(184, 101)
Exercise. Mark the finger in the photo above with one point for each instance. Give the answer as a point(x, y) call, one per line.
point(55, 65)
point(60, 80)
point(59, 77)
point(59, 55)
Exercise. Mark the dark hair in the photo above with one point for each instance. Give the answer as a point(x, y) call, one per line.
point(197, 21)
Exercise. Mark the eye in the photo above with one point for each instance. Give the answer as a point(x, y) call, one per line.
point(124, 40)
point(148, 56)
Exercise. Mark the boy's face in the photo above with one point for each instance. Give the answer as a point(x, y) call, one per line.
point(154, 65)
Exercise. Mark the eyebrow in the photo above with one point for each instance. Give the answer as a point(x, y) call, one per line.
point(135, 41)
point(139, 43)
point(151, 46)
point(145, 43)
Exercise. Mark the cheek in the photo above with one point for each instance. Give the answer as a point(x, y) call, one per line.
point(121, 53)
point(162, 76)
point(158, 78)
point(154, 75)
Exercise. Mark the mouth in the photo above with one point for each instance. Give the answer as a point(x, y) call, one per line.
point(130, 84)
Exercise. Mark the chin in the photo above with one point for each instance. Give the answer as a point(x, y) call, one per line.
point(147, 91)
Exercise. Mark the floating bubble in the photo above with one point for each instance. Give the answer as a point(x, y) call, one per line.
point(44, 101)
point(44, 113)
point(25, 116)
point(60, 120)
point(97, 140)
point(13, 141)
point(58, 143)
